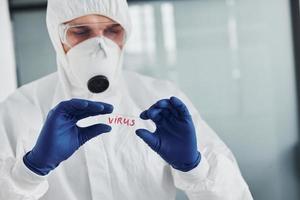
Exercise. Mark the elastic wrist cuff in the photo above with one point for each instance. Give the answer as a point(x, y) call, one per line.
point(196, 174)
point(25, 178)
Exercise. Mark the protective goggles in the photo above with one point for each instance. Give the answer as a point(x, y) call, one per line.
point(73, 34)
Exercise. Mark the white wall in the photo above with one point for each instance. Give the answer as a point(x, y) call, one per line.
point(8, 79)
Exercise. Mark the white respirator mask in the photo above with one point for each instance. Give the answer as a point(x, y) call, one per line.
point(95, 64)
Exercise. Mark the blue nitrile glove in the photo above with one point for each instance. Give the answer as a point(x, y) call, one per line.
point(61, 137)
point(174, 138)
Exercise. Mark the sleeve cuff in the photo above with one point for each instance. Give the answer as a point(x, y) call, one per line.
point(26, 179)
point(199, 173)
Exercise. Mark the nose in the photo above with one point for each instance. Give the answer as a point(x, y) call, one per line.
point(100, 32)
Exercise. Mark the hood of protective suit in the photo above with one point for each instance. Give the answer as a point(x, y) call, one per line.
point(61, 11)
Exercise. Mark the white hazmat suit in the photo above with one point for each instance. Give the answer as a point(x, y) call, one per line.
point(116, 165)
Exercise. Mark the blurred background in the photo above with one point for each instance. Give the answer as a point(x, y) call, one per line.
point(237, 60)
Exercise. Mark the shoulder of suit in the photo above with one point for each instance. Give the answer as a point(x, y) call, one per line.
point(31, 96)
point(45, 84)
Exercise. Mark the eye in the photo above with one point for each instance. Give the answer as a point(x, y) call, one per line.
point(114, 30)
point(81, 31)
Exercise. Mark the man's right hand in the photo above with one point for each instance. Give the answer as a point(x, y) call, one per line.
point(61, 137)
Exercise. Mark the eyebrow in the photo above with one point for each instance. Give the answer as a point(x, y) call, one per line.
point(114, 25)
point(79, 23)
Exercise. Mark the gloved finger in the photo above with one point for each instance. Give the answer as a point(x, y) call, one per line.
point(72, 105)
point(155, 104)
point(166, 104)
point(163, 104)
point(163, 114)
point(154, 114)
point(95, 107)
point(87, 133)
point(179, 106)
point(149, 138)
point(92, 111)
point(83, 108)
point(144, 115)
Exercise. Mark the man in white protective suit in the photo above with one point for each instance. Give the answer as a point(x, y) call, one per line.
point(94, 131)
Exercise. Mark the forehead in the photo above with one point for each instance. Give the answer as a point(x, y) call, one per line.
point(90, 19)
